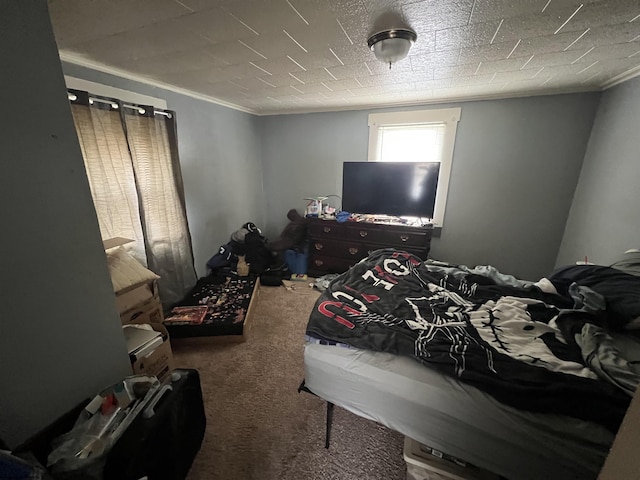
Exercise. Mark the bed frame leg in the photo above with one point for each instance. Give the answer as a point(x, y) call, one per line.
point(327, 436)
point(329, 421)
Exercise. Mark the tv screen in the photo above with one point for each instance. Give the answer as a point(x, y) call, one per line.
point(390, 188)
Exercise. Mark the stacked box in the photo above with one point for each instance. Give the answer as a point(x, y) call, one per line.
point(142, 305)
point(138, 301)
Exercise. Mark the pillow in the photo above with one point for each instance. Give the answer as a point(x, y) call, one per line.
point(126, 272)
point(620, 290)
point(628, 262)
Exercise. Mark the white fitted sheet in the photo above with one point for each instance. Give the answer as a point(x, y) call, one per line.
point(458, 419)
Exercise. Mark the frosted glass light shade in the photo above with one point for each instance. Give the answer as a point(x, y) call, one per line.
point(390, 46)
point(392, 49)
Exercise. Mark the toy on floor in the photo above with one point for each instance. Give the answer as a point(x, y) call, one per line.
point(243, 266)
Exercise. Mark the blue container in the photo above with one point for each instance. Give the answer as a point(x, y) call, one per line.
point(297, 261)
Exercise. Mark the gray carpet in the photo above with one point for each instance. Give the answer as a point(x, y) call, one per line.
point(258, 426)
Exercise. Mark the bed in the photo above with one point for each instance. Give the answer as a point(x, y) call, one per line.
point(526, 380)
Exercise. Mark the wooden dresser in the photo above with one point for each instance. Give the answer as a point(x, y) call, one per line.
point(335, 246)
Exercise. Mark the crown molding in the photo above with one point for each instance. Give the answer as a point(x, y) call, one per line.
point(435, 101)
point(83, 62)
point(623, 77)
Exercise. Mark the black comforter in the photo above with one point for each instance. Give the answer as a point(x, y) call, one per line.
point(500, 337)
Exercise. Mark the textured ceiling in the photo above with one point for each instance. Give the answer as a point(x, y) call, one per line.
point(280, 56)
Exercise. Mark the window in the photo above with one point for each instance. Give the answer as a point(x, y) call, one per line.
point(417, 136)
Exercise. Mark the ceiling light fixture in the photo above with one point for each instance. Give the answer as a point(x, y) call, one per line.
point(390, 46)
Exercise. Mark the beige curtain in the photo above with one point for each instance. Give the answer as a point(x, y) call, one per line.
point(153, 147)
point(110, 172)
point(133, 168)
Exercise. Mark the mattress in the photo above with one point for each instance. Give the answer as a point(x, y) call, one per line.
point(455, 418)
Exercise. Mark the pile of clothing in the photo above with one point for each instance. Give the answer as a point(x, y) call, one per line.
point(247, 242)
point(271, 260)
point(292, 246)
point(293, 236)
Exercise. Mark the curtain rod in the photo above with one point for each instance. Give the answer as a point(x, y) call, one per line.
point(73, 97)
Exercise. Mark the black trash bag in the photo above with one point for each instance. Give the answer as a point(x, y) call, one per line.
point(273, 276)
point(257, 254)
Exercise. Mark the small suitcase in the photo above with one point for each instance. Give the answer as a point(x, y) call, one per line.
point(165, 437)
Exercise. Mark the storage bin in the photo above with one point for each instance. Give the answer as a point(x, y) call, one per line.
point(297, 261)
point(426, 463)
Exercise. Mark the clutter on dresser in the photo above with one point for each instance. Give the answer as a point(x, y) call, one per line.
point(314, 207)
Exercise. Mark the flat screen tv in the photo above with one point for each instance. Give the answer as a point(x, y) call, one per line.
point(390, 188)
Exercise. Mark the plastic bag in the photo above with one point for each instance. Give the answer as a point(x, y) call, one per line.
point(82, 452)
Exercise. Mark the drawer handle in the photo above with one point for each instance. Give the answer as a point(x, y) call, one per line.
point(404, 238)
point(353, 250)
point(326, 229)
point(318, 246)
point(363, 233)
point(318, 263)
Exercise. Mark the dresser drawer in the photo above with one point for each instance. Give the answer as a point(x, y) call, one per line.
point(326, 228)
point(321, 264)
point(336, 248)
point(390, 237)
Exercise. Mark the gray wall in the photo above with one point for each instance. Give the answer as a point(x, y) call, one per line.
point(516, 164)
point(302, 157)
point(515, 168)
point(220, 158)
point(60, 334)
point(605, 216)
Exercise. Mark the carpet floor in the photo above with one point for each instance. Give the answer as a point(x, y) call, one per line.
point(259, 426)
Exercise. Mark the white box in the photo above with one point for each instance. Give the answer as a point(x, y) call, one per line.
point(426, 463)
point(159, 362)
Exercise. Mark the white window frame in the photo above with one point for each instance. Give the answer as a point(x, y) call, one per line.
point(449, 116)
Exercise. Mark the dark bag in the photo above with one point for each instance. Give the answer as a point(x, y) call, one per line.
point(225, 257)
point(165, 437)
point(270, 279)
point(258, 256)
point(274, 276)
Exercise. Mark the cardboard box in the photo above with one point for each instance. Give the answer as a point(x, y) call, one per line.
point(138, 296)
point(160, 361)
point(138, 303)
point(141, 305)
